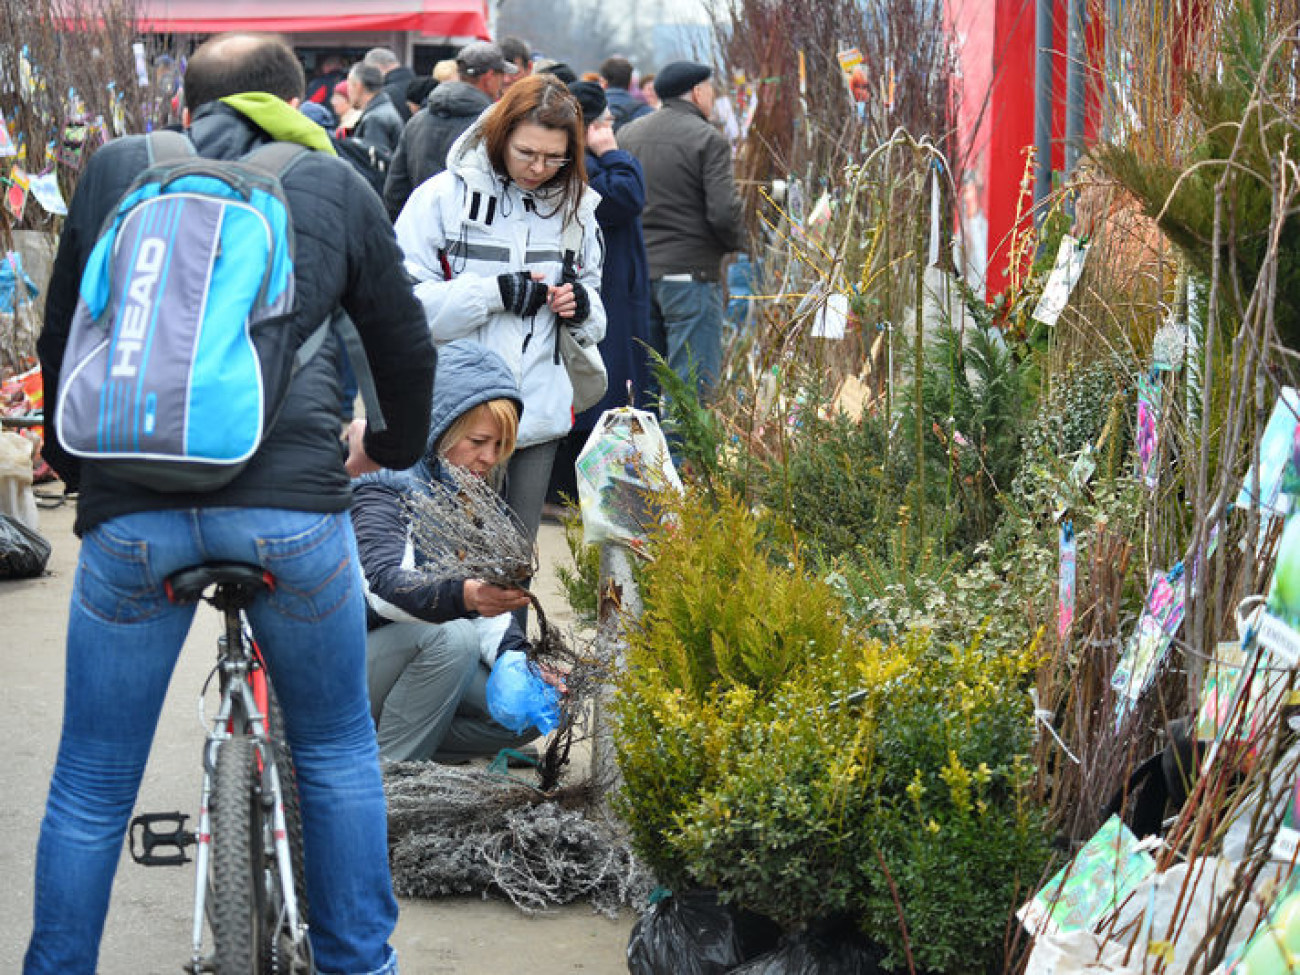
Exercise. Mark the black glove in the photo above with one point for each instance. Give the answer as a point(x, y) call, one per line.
point(582, 308)
point(521, 294)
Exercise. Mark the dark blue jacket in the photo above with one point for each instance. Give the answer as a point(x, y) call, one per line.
point(624, 107)
point(624, 283)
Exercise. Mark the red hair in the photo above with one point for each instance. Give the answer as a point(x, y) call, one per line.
point(540, 99)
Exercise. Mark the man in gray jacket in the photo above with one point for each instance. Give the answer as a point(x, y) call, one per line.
point(691, 219)
point(450, 110)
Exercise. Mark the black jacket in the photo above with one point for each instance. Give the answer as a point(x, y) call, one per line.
point(692, 212)
point(395, 83)
point(422, 151)
point(345, 255)
point(380, 123)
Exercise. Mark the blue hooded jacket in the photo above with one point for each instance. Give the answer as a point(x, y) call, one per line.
point(467, 375)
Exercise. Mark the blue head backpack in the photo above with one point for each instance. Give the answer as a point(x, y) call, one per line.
point(178, 357)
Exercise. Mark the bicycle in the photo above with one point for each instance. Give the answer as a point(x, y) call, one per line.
point(249, 882)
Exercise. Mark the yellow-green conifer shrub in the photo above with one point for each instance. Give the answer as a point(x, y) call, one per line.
point(722, 628)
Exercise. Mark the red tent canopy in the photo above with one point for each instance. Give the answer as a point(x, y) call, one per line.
point(431, 18)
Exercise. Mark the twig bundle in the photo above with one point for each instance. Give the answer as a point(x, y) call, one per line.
point(463, 529)
point(474, 831)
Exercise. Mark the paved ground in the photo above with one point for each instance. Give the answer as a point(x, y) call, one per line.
point(149, 923)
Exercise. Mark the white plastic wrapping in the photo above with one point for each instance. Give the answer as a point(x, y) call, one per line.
point(624, 464)
point(16, 497)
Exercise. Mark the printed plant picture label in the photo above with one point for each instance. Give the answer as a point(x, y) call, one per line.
point(1161, 616)
point(1105, 871)
point(1274, 452)
point(1065, 581)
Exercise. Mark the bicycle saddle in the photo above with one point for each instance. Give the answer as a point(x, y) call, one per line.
point(242, 581)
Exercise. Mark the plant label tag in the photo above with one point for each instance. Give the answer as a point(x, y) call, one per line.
point(1065, 275)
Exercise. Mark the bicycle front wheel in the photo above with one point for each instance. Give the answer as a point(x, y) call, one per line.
point(235, 911)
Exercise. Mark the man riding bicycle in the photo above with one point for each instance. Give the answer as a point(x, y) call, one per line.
point(286, 511)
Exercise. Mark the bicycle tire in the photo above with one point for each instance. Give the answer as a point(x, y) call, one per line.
point(284, 961)
point(234, 911)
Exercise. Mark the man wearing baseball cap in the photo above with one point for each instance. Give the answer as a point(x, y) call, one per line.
point(691, 219)
point(449, 111)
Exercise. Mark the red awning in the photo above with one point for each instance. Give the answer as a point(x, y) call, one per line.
point(431, 18)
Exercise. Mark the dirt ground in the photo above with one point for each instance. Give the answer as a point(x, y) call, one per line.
point(148, 927)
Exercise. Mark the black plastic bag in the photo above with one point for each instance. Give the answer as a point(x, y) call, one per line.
point(692, 934)
point(833, 950)
point(23, 551)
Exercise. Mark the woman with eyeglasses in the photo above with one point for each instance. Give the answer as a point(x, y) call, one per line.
point(486, 241)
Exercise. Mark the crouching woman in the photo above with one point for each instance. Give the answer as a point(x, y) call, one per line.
point(432, 643)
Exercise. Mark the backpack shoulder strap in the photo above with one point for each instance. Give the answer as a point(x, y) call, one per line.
point(164, 145)
point(342, 326)
point(276, 158)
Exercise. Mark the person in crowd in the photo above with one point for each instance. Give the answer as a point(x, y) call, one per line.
point(320, 114)
point(647, 91)
point(616, 76)
point(432, 642)
point(624, 284)
point(396, 77)
point(344, 110)
point(558, 68)
point(449, 111)
point(286, 511)
point(519, 53)
point(418, 91)
point(485, 242)
point(379, 123)
point(332, 71)
point(445, 70)
point(691, 220)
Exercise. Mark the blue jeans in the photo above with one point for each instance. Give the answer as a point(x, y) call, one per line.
point(686, 326)
point(123, 641)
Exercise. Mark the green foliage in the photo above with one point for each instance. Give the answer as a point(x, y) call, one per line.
point(839, 485)
point(976, 400)
point(770, 751)
point(1083, 404)
point(1246, 135)
point(694, 432)
point(581, 584)
point(947, 804)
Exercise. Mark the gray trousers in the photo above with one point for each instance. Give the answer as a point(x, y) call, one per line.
point(428, 694)
point(528, 474)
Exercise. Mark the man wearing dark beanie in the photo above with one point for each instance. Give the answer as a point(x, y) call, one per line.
point(691, 219)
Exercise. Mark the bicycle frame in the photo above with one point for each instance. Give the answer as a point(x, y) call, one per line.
point(243, 708)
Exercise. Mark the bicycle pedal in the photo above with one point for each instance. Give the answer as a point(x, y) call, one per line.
point(159, 846)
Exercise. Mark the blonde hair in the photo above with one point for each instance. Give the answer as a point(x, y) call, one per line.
point(503, 411)
point(446, 70)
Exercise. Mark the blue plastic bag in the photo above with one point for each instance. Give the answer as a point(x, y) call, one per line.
point(518, 698)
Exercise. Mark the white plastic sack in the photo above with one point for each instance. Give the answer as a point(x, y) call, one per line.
point(1076, 953)
point(16, 497)
point(623, 465)
point(1147, 918)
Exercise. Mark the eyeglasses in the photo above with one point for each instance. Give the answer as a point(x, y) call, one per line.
point(527, 157)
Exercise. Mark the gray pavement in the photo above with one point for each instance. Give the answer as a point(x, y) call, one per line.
point(148, 927)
